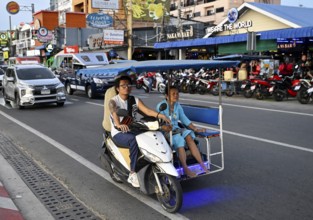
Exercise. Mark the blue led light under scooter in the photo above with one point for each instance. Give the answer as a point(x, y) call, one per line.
point(194, 168)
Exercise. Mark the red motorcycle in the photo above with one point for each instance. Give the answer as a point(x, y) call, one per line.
point(139, 81)
point(285, 88)
point(262, 88)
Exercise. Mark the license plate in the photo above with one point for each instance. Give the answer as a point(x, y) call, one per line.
point(243, 86)
point(297, 88)
point(252, 88)
point(310, 90)
point(45, 92)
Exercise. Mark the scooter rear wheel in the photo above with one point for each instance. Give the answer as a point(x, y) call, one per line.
point(172, 198)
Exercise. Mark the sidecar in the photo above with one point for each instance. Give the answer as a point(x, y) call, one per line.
point(210, 142)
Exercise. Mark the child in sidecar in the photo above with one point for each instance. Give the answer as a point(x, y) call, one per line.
point(182, 137)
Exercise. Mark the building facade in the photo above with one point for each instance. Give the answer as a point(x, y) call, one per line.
point(211, 12)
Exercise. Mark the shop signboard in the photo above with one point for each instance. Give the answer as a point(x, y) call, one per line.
point(71, 49)
point(13, 7)
point(115, 37)
point(95, 41)
point(151, 10)
point(99, 20)
point(230, 26)
point(105, 4)
point(186, 32)
point(44, 35)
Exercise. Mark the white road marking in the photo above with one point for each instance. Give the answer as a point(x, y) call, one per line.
point(249, 107)
point(261, 139)
point(145, 199)
point(93, 103)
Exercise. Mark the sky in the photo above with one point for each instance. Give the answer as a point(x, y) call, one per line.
point(26, 16)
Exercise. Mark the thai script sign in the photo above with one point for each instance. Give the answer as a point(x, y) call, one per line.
point(113, 37)
point(107, 4)
point(99, 20)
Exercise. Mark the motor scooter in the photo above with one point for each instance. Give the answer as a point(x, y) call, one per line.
point(155, 170)
point(139, 81)
point(157, 84)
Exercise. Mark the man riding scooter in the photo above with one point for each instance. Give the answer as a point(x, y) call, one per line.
point(119, 125)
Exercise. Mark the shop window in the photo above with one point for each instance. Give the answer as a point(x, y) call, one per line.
point(218, 10)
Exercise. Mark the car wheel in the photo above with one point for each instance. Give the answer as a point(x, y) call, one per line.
point(90, 93)
point(69, 90)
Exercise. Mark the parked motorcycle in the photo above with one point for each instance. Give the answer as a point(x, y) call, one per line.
point(154, 167)
point(139, 81)
point(284, 88)
point(157, 84)
point(303, 87)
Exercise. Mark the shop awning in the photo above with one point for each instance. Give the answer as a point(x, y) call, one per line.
point(264, 35)
point(287, 33)
point(202, 41)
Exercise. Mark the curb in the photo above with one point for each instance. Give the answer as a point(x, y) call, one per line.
point(8, 210)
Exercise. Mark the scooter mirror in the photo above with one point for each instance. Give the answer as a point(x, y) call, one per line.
point(122, 112)
point(162, 107)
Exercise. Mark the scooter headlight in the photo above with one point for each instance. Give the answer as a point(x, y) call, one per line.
point(151, 157)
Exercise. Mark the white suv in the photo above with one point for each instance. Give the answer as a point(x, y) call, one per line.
point(32, 84)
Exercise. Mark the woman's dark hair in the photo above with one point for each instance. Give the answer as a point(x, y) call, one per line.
point(168, 89)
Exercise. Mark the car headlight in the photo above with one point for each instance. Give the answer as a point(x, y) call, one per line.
point(99, 81)
point(151, 157)
point(26, 90)
point(60, 88)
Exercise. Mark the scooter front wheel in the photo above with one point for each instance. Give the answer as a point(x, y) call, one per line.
point(172, 198)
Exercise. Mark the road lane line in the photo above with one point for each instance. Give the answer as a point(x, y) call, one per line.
point(256, 108)
point(143, 198)
point(260, 139)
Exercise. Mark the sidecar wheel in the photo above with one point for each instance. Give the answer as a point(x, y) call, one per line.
point(172, 199)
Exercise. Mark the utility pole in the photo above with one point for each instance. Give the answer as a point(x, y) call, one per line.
point(129, 29)
point(179, 27)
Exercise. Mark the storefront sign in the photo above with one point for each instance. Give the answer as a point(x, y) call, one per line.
point(105, 4)
point(181, 34)
point(230, 27)
point(287, 43)
point(43, 35)
point(71, 49)
point(95, 41)
point(13, 8)
point(115, 37)
point(99, 20)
